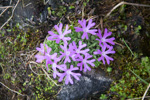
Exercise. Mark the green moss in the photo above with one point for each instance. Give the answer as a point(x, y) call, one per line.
point(130, 86)
point(16, 41)
point(44, 89)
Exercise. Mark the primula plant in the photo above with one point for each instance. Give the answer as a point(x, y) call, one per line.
point(68, 52)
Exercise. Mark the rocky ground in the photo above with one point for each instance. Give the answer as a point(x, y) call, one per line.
point(21, 78)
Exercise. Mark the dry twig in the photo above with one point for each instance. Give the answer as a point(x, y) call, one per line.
point(4, 11)
point(49, 77)
point(10, 2)
point(119, 44)
point(146, 92)
point(42, 74)
point(6, 7)
point(138, 98)
point(83, 12)
point(45, 2)
point(12, 90)
point(11, 15)
point(32, 69)
point(58, 91)
point(123, 3)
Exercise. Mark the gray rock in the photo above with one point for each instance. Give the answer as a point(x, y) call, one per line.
point(91, 83)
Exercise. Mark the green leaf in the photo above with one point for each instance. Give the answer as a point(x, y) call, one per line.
point(19, 91)
point(140, 78)
point(84, 3)
point(109, 69)
point(71, 7)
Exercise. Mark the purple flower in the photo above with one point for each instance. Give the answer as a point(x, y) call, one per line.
point(45, 55)
point(68, 73)
point(61, 35)
point(104, 53)
point(78, 50)
point(104, 39)
point(67, 52)
point(42, 50)
point(55, 66)
point(86, 29)
point(56, 73)
point(85, 62)
point(40, 58)
point(49, 57)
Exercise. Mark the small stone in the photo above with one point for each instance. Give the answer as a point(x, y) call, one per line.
point(91, 83)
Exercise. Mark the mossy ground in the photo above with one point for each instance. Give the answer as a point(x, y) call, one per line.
point(130, 68)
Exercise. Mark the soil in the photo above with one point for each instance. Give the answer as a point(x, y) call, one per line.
point(35, 21)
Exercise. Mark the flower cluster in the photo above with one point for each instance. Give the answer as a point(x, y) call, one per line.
point(103, 43)
point(74, 51)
